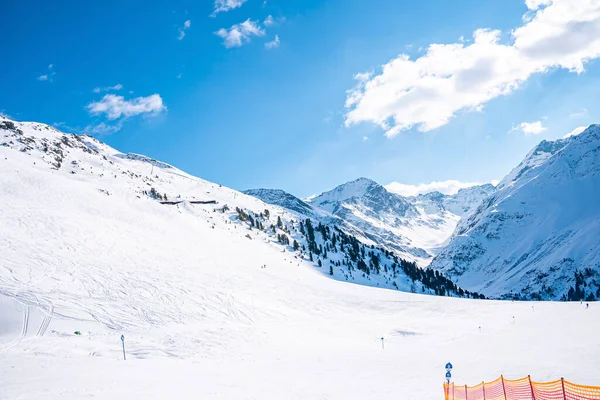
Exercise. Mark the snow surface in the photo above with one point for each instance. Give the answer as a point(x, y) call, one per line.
point(85, 249)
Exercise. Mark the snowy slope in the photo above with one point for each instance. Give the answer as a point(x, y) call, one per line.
point(212, 309)
point(285, 200)
point(142, 182)
point(538, 229)
point(414, 227)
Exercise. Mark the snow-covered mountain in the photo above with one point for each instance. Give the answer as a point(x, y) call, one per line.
point(538, 235)
point(213, 303)
point(414, 227)
point(462, 203)
point(283, 199)
point(84, 161)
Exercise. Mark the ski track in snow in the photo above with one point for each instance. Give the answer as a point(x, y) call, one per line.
point(202, 319)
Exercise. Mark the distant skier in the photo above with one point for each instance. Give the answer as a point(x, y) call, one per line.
point(587, 305)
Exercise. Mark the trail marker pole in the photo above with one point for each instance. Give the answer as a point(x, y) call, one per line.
point(123, 340)
point(531, 387)
point(382, 345)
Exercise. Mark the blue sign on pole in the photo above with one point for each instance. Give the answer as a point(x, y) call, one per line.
point(123, 340)
point(448, 367)
point(448, 375)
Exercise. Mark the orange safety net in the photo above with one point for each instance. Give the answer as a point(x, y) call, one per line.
point(522, 389)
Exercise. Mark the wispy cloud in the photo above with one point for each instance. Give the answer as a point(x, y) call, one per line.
point(530, 128)
point(273, 43)
point(239, 34)
point(116, 87)
point(185, 27)
point(448, 187)
point(226, 5)
point(47, 77)
point(103, 128)
point(116, 106)
point(579, 114)
point(269, 21)
point(429, 91)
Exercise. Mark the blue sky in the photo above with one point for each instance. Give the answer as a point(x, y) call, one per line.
point(266, 103)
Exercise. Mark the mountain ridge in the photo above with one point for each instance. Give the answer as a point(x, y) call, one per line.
point(537, 234)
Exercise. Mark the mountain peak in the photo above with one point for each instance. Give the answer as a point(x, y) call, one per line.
point(538, 228)
point(353, 189)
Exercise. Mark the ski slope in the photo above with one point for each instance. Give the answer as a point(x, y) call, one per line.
point(212, 310)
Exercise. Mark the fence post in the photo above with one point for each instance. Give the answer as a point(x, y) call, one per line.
point(562, 381)
point(466, 393)
point(483, 386)
point(452, 390)
point(531, 386)
point(503, 388)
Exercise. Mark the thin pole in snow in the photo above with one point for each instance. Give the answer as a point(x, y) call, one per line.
point(382, 346)
point(531, 387)
point(123, 340)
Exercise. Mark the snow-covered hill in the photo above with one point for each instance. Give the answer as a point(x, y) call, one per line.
point(538, 235)
point(413, 227)
point(213, 308)
point(145, 182)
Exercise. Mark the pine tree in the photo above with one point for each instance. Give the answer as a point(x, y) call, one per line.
point(320, 263)
point(279, 223)
point(330, 270)
point(310, 256)
point(296, 245)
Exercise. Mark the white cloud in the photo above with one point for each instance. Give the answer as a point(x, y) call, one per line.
point(535, 4)
point(103, 128)
point(116, 106)
point(186, 26)
point(269, 21)
point(238, 34)
point(273, 43)
point(118, 86)
point(226, 5)
point(427, 92)
point(575, 131)
point(530, 128)
point(47, 77)
point(365, 138)
point(449, 187)
point(579, 114)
